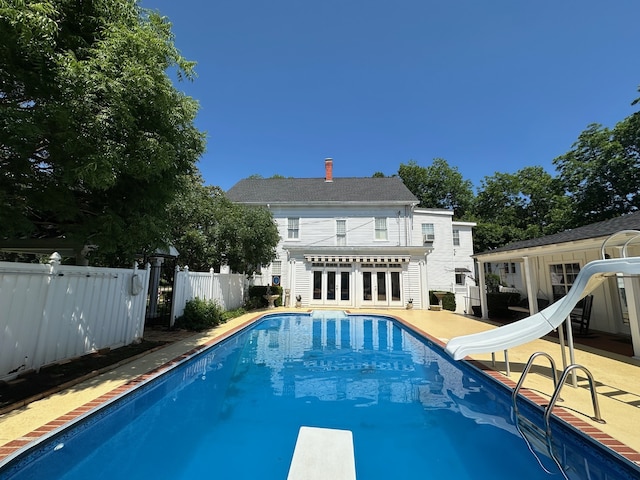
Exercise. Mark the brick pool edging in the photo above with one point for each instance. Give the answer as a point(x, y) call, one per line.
point(12, 447)
point(559, 411)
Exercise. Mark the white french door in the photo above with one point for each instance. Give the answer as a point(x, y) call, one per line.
point(332, 285)
point(381, 287)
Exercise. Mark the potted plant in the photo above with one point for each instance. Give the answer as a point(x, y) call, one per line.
point(410, 304)
point(298, 301)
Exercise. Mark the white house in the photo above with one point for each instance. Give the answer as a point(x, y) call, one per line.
point(360, 242)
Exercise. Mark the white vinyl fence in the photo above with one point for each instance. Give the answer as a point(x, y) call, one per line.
point(226, 289)
point(54, 312)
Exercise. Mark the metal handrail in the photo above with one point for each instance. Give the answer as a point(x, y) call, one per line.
point(636, 234)
point(547, 433)
point(527, 367)
point(594, 396)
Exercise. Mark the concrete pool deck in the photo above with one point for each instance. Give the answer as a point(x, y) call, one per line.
point(616, 378)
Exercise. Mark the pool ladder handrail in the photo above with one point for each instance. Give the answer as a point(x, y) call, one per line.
point(557, 384)
point(514, 394)
point(556, 395)
point(557, 387)
point(534, 430)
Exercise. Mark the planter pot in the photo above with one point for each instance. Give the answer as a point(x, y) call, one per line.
point(477, 311)
point(435, 308)
point(409, 305)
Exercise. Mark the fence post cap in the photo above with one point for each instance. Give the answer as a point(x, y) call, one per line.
point(55, 259)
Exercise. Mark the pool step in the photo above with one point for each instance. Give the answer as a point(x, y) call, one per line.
point(323, 454)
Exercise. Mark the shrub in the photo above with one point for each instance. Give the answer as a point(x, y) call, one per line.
point(199, 315)
point(229, 314)
point(256, 296)
point(448, 301)
point(492, 281)
point(498, 304)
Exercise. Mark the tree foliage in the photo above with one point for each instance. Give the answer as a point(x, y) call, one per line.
point(512, 207)
point(93, 132)
point(209, 230)
point(438, 186)
point(601, 173)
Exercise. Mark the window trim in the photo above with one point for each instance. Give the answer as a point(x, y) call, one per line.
point(341, 233)
point(563, 281)
point(379, 231)
point(426, 236)
point(456, 237)
point(293, 229)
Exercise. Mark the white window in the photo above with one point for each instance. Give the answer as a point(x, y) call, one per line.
point(456, 237)
point(428, 232)
point(562, 278)
point(381, 228)
point(276, 267)
point(293, 228)
point(341, 232)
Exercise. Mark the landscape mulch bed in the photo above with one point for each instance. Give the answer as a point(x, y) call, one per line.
point(32, 386)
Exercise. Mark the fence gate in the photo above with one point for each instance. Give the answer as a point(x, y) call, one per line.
point(161, 282)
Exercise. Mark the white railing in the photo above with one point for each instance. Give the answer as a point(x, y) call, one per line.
point(226, 289)
point(51, 312)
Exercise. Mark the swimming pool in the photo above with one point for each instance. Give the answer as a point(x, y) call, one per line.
point(234, 411)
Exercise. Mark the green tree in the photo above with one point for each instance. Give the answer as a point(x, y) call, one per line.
point(512, 207)
point(192, 216)
point(94, 135)
point(246, 236)
point(438, 186)
point(601, 172)
point(209, 230)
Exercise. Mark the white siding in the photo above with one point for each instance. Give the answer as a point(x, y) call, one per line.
point(317, 230)
point(318, 225)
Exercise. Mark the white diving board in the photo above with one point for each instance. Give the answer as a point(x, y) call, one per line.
point(323, 454)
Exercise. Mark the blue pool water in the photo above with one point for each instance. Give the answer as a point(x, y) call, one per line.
point(234, 411)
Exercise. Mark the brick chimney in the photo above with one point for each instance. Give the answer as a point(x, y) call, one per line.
point(328, 169)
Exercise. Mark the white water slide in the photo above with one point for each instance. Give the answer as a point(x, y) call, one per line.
point(541, 323)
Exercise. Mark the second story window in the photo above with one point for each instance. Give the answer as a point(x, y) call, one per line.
point(428, 232)
point(293, 228)
point(381, 228)
point(341, 233)
point(456, 237)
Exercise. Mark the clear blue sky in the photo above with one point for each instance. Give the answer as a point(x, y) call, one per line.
point(490, 86)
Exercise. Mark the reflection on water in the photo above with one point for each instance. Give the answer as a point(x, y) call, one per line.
point(358, 358)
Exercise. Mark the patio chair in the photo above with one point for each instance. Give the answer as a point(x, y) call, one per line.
point(581, 316)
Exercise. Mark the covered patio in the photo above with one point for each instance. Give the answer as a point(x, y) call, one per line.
point(542, 270)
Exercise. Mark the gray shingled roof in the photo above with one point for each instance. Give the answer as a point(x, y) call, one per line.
point(316, 190)
point(605, 228)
